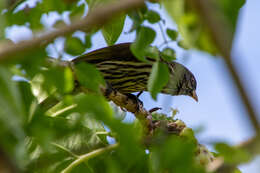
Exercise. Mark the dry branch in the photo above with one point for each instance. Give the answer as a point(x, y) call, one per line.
point(95, 18)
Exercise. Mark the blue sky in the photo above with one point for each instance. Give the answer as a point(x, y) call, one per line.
point(219, 110)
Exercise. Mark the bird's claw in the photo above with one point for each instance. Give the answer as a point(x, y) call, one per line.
point(154, 109)
point(137, 101)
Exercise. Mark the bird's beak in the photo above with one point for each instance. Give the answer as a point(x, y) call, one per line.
point(194, 95)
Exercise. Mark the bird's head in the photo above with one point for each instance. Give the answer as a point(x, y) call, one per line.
point(181, 81)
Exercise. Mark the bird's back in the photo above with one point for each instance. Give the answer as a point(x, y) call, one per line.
point(119, 67)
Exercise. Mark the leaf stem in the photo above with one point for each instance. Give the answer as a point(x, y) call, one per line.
point(88, 156)
point(63, 110)
point(64, 149)
point(103, 133)
point(163, 34)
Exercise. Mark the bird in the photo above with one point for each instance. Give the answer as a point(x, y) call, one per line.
point(127, 74)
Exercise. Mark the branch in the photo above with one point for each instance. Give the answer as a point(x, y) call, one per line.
point(220, 35)
point(130, 104)
point(95, 18)
point(88, 156)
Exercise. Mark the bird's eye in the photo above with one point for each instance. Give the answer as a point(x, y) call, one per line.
point(193, 83)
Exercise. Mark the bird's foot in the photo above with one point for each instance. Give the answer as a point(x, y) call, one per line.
point(154, 109)
point(138, 95)
point(137, 101)
point(109, 89)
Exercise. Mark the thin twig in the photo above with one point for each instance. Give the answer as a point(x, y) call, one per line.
point(163, 35)
point(68, 108)
point(168, 41)
point(15, 4)
point(88, 156)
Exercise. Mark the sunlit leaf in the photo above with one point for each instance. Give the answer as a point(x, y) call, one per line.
point(232, 155)
point(89, 76)
point(152, 16)
point(168, 54)
point(77, 11)
point(191, 28)
point(59, 78)
point(112, 30)
point(74, 46)
point(173, 34)
point(152, 52)
point(194, 31)
point(145, 37)
point(173, 155)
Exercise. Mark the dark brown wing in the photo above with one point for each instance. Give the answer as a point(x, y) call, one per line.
point(115, 52)
point(119, 67)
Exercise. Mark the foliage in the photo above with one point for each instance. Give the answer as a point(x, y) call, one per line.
point(37, 139)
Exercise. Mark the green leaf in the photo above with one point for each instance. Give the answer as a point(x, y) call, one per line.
point(33, 15)
point(231, 11)
point(88, 104)
point(168, 54)
point(37, 87)
point(232, 155)
point(88, 43)
point(12, 119)
point(68, 80)
point(183, 45)
point(11, 105)
point(112, 30)
point(74, 46)
point(152, 52)
point(29, 63)
point(152, 16)
point(83, 138)
point(2, 19)
point(28, 15)
point(173, 154)
point(89, 76)
point(77, 11)
point(145, 37)
point(194, 31)
point(173, 34)
point(58, 78)
point(61, 139)
point(137, 17)
point(118, 112)
point(158, 78)
point(57, 5)
point(26, 95)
